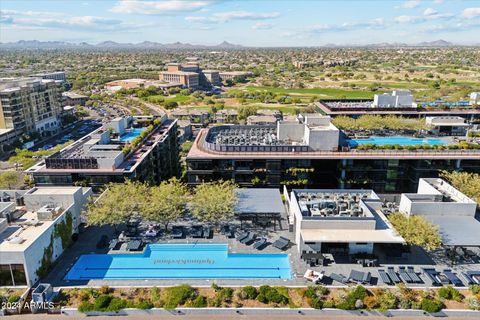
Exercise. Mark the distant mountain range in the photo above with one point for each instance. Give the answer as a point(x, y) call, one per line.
point(35, 44)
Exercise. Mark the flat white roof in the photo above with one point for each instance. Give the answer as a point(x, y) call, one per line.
point(348, 235)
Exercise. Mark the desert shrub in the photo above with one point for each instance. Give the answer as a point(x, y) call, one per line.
point(85, 306)
point(102, 302)
point(155, 294)
point(249, 292)
point(104, 290)
point(316, 291)
point(431, 305)
point(316, 303)
point(13, 298)
point(473, 303)
point(450, 293)
point(371, 302)
point(350, 300)
point(85, 294)
point(387, 300)
point(144, 304)
point(267, 294)
point(225, 294)
point(175, 296)
point(199, 302)
point(330, 303)
point(216, 287)
point(116, 304)
point(475, 288)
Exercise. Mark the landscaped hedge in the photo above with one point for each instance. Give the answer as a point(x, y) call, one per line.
point(318, 297)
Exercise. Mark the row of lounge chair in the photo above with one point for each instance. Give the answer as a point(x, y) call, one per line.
point(447, 277)
point(179, 232)
point(405, 274)
point(360, 277)
point(249, 237)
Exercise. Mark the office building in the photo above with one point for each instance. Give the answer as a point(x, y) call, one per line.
point(396, 99)
point(36, 226)
point(447, 125)
point(141, 148)
point(74, 99)
point(339, 221)
point(234, 75)
point(30, 105)
point(211, 77)
point(57, 75)
point(134, 83)
point(311, 152)
point(446, 207)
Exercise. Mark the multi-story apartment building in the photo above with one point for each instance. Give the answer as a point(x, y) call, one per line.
point(313, 153)
point(141, 148)
point(56, 75)
point(30, 105)
point(36, 226)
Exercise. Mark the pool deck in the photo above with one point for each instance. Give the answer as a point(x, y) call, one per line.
point(88, 239)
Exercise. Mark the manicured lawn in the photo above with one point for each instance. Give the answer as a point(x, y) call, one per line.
point(323, 92)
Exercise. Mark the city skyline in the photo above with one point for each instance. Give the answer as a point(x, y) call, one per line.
point(249, 23)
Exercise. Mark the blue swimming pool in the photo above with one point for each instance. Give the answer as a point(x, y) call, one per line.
point(403, 141)
point(181, 261)
point(132, 134)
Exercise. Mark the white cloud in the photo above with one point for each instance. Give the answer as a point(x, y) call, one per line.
point(262, 26)
point(377, 23)
point(30, 13)
point(429, 14)
point(80, 23)
point(170, 7)
point(221, 17)
point(408, 19)
point(410, 4)
point(471, 13)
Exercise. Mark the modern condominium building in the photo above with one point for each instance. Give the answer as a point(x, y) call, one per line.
point(36, 226)
point(141, 148)
point(311, 152)
point(30, 105)
point(56, 75)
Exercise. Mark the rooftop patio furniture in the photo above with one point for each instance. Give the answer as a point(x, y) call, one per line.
point(360, 277)
point(134, 245)
point(413, 275)
point(177, 232)
point(242, 235)
point(282, 243)
point(432, 274)
point(249, 238)
point(339, 278)
point(151, 233)
point(207, 232)
point(113, 244)
point(393, 275)
point(454, 279)
point(260, 243)
point(196, 231)
point(384, 276)
point(314, 276)
point(404, 275)
point(473, 277)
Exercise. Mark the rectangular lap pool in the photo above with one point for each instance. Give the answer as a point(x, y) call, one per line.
point(403, 141)
point(132, 134)
point(181, 261)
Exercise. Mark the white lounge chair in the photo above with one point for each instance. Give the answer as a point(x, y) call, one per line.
point(314, 276)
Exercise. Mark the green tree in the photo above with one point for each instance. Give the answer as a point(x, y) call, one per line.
point(416, 230)
point(10, 179)
point(467, 183)
point(166, 202)
point(214, 202)
point(118, 204)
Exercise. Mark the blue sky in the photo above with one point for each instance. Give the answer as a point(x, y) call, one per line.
point(246, 22)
